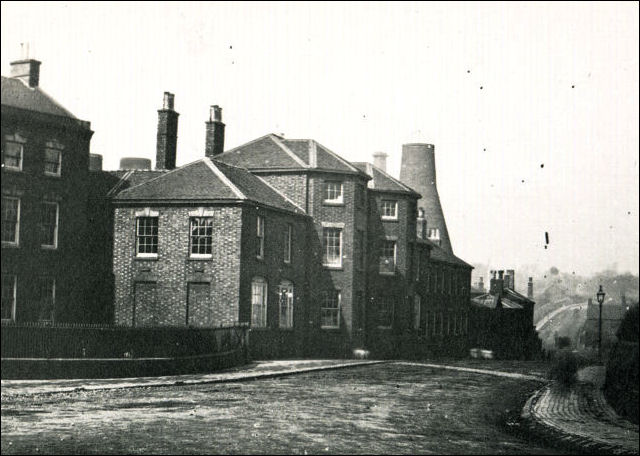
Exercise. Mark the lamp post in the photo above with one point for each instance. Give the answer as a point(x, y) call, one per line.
point(600, 297)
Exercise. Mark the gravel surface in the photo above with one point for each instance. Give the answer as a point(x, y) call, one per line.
point(382, 409)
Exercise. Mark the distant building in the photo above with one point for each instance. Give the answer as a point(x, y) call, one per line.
point(502, 320)
point(45, 162)
point(612, 315)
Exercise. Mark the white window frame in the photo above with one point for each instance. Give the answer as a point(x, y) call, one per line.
point(339, 199)
point(417, 303)
point(259, 283)
point(53, 298)
point(394, 215)
point(16, 139)
point(137, 235)
point(288, 235)
point(285, 287)
point(53, 246)
point(395, 255)
point(13, 303)
point(333, 294)
point(325, 262)
point(260, 236)
point(191, 236)
point(54, 146)
point(15, 243)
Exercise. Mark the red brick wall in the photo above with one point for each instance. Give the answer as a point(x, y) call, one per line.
point(173, 269)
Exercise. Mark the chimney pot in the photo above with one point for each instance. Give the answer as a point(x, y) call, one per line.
point(27, 70)
point(380, 160)
point(167, 102)
point(215, 114)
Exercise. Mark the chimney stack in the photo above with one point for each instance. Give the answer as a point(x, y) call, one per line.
point(214, 141)
point(421, 225)
point(95, 162)
point(511, 283)
point(380, 160)
point(167, 139)
point(496, 286)
point(530, 288)
point(27, 70)
point(481, 284)
point(418, 171)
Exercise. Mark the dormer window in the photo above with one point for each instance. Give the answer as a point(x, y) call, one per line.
point(333, 192)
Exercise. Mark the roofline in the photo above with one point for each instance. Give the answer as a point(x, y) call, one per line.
point(66, 121)
point(398, 181)
point(281, 194)
point(308, 171)
point(289, 152)
point(338, 157)
point(191, 202)
point(224, 178)
point(161, 175)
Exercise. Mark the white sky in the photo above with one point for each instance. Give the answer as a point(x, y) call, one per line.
point(366, 77)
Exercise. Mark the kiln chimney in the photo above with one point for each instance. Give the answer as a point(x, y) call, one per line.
point(418, 171)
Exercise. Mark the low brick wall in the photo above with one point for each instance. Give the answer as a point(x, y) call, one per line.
point(85, 351)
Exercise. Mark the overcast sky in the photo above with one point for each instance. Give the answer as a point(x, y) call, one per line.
point(532, 108)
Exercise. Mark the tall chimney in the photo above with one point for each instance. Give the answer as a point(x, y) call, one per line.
point(380, 160)
point(214, 143)
point(512, 278)
point(27, 70)
point(481, 284)
point(167, 139)
point(530, 288)
point(418, 171)
point(95, 162)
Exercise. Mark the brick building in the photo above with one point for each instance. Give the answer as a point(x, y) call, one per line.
point(45, 160)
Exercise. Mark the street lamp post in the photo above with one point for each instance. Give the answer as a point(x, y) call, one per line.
point(600, 297)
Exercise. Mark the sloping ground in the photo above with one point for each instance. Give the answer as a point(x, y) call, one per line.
point(565, 324)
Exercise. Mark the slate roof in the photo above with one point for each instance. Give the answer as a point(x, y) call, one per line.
point(275, 152)
point(203, 180)
point(439, 254)
point(19, 95)
point(490, 301)
point(380, 180)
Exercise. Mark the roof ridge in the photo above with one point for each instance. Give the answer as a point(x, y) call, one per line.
point(246, 144)
point(334, 155)
point(386, 174)
point(162, 175)
point(276, 139)
point(280, 193)
point(224, 178)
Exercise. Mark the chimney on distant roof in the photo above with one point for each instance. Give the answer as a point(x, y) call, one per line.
point(530, 288)
point(421, 225)
point(380, 160)
point(481, 284)
point(214, 142)
point(511, 283)
point(496, 286)
point(167, 139)
point(27, 70)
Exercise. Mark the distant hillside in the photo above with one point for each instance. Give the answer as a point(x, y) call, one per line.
point(565, 324)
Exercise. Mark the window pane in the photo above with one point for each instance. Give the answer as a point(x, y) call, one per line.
point(333, 191)
point(258, 303)
point(8, 296)
point(330, 310)
point(332, 246)
point(52, 159)
point(388, 256)
point(285, 293)
point(49, 224)
point(12, 156)
point(147, 235)
point(385, 312)
point(260, 237)
point(389, 208)
point(47, 299)
point(287, 243)
point(201, 237)
point(10, 212)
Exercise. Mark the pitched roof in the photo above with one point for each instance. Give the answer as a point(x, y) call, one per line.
point(19, 95)
point(490, 301)
point(275, 152)
point(204, 179)
point(439, 254)
point(383, 181)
